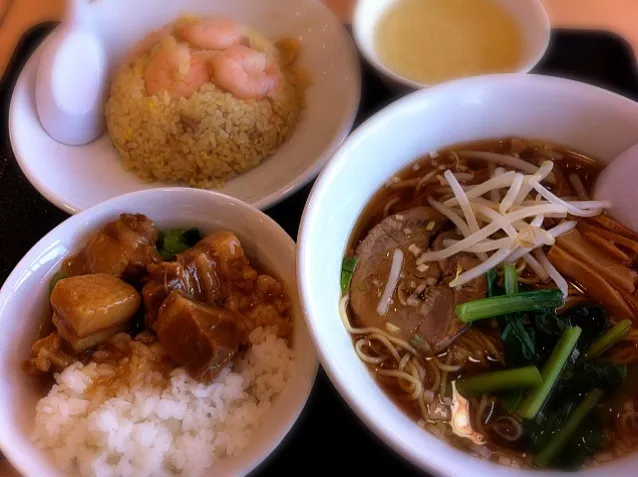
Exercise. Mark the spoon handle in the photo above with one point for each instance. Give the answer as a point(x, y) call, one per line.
point(76, 13)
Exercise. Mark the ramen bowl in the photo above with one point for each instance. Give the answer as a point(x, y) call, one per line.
point(579, 116)
point(24, 297)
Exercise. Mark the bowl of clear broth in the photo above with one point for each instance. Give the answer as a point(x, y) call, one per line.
point(419, 43)
point(474, 303)
point(157, 333)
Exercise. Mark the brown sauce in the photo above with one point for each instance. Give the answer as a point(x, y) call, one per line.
point(392, 199)
point(573, 162)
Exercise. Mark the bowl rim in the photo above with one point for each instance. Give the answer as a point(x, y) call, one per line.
point(369, 53)
point(313, 206)
point(16, 456)
point(287, 188)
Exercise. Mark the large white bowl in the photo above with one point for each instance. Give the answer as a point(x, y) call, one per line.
point(75, 178)
point(23, 303)
point(584, 117)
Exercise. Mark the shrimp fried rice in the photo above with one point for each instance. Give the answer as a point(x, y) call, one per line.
point(204, 138)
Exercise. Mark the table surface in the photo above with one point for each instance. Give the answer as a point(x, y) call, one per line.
point(618, 16)
point(327, 427)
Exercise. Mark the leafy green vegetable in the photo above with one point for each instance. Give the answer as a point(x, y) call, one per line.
point(510, 279)
point(548, 328)
point(519, 342)
point(588, 439)
point(347, 270)
point(550, 323)
point(54, 281)
point(608, 339)
point(502, 305)
point(511, 401)
point(416, 340)
point(491, 276)
point(558, 441)
point(592, 319)
point(550, 372)
point(585, 375)
point(176, 241)
point(540, 429)
point(487, 383)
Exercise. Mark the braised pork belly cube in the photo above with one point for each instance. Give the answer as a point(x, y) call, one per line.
point(199, 337)
point(88, 309)
point(122, 248)
point(207, 272)
point(266, 305)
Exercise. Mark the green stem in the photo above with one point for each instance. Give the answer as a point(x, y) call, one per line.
point(517, 378)
point(510, 279)
point(552, 369)
point(347, 270)
point(54, 281)
point(491, 276)
point(502, 305)
point(558, 441)
point(608, 339)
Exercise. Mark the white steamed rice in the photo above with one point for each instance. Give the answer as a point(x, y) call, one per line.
point(155, 426)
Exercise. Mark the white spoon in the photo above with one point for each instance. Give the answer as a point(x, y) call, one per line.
point(71, 79)
point(618, 183)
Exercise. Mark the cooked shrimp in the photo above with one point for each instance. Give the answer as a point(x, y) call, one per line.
point(215, 33)
point(172, 68)
point(146, 43)
point(244, 72)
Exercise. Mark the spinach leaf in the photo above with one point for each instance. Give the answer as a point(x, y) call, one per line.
point(592, 319)
point(511, 401)
point(492, 288)
point(519, 340)
point(175, 241)
point(546, 424)
point(549, 328)
point(587, 440)
point(347, 271)
point(585, 375)
point(550, 323)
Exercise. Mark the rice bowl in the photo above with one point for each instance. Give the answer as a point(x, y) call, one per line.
point(263, 393)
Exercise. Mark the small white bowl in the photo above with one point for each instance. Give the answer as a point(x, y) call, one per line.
point(589, 119)
point(24, 296)
point(75, 178)
point(530, 16)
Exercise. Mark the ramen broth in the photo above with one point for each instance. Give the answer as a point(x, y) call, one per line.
point(480, 348)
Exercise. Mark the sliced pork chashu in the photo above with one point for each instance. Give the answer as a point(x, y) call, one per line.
point(422, 306)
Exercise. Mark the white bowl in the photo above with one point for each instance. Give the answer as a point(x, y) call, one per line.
point(530, 16)
point(23, 301)
point(598, 122)
point(75, 178)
